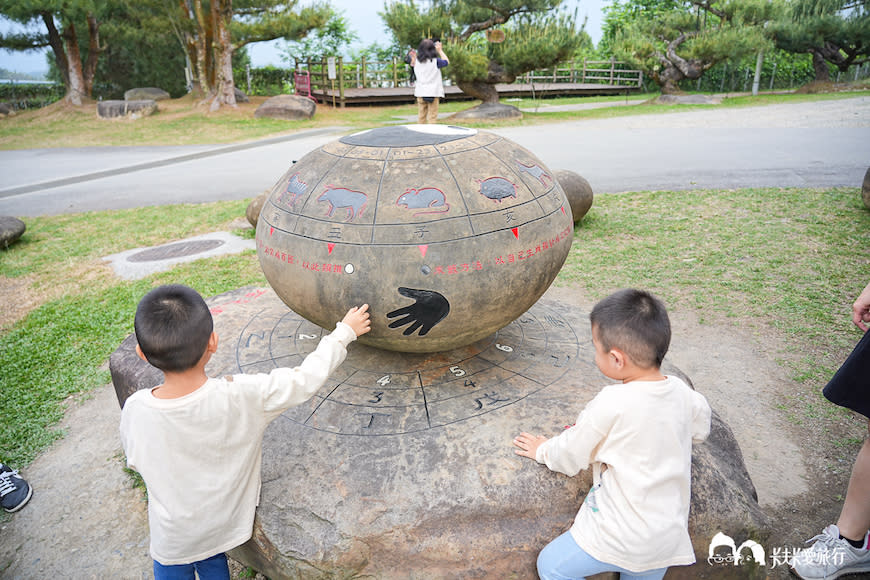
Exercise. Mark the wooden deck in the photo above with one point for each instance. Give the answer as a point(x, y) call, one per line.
point(370, 96)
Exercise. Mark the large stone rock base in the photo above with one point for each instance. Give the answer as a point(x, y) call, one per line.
point(402, 466)
point(287, 107)
point(492, 111)
point(130, 109)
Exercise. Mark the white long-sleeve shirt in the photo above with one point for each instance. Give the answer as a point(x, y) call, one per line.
point(637, 515)
point(200, 454)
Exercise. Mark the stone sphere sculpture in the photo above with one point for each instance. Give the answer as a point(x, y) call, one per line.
point(448, 233)
point(577, 190)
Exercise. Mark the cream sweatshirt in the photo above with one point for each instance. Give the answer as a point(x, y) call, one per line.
point(637, 515)
point(200, 454)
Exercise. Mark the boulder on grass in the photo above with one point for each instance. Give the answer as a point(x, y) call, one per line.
point(253, 210)
point(241, 97)
point(865, 189)
point(131, 109)
point(6, 110)
point(577, 190)
point(146, 93)
point(288, 107)
point(493, 111)
point(11, 228)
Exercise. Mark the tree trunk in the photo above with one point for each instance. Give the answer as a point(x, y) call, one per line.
point(94, 51)
point(222, 14)
point(668, 79)
point(484, 91)
point(202, 46)
point(56, 42)
point(75, 88)
point(820, 66)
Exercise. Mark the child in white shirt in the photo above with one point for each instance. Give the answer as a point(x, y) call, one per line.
point(197, 441)
point(638, 436)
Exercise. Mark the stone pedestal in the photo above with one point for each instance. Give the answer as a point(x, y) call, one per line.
point(402, 466)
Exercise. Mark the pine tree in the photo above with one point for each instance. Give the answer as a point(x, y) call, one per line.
point(490, 41)
point(65, 21)
point(682, 40)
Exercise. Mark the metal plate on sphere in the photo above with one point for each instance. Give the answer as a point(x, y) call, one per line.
point(448, 233)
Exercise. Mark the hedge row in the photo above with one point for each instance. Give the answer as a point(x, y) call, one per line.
point(30, 95)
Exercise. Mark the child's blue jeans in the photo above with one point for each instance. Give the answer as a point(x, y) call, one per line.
point(563, 559)
point(214, 568)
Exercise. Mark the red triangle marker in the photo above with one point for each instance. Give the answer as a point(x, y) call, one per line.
point(516, 232)
point(331, 246)
point(423, 250)
point(563, 210)
point(271, 231)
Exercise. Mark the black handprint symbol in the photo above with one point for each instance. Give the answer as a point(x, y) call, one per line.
point(429, 309)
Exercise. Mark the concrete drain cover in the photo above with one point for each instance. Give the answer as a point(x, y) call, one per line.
point(140, 262)
point(177, 250)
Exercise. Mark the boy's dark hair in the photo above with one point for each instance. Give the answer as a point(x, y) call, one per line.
point(173, 325)
point(426, 50)
point(635, 322)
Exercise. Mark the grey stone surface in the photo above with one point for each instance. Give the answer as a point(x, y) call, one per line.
point(140, 262)
point(146, 94)
point(577, 190)
point(132, 109)
point(6, 109)
point(289, 107)
point(488, 111)
point(353, 487)
point(241, 97)
point(11, 228)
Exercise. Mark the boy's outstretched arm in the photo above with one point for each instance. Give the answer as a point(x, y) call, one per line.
point(528, 444)
point(358, 319)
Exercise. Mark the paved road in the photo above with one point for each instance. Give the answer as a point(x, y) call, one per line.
point(822, 144)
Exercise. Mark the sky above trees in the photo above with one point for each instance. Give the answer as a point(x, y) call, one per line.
point(362, 17)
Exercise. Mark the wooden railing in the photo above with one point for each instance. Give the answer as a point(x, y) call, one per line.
point(609, 72)
point(375, 74)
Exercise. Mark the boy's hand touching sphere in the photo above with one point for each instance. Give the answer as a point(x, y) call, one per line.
point(358, 319)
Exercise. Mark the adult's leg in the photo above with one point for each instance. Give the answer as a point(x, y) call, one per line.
point(855, 514)
point(422, 107)
point(433, 112)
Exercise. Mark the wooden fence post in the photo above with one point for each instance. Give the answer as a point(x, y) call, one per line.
point(395, 72)
point(365, 80)
point(583, 78)
point(341, 81)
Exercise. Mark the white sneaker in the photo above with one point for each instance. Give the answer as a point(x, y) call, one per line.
point(831, 557)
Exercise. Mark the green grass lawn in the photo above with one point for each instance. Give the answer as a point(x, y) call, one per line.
point(781, 261)
point(185, 122)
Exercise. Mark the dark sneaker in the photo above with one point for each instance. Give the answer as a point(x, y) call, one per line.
point(14, 491)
